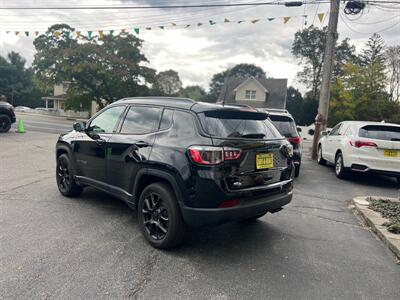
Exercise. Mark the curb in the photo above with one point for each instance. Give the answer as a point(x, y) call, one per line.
point(374, 220)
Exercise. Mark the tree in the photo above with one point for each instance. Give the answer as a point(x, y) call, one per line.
point(167, 83)
point(16, 82)
point(194, 92)
point(393, 71)
point(295, 104)
point(103, 68)
point(240, 70)
point(309, 46)
point(374, 51)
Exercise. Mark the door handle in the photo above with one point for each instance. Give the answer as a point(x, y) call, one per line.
point(100, 141)
point(141, 144)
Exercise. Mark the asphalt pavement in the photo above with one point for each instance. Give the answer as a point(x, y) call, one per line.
point(43, 123)
point(91, 247)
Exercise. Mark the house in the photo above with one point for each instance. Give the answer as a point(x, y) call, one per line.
point(256, 92)
point(57, 101)
point(55, 105)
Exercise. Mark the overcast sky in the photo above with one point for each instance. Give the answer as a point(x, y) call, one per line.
point(199, 52)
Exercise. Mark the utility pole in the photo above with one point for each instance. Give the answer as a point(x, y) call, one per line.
point(323, 105)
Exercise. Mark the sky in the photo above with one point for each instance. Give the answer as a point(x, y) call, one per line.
point(198, 52)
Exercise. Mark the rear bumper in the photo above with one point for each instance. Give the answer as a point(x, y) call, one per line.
point(247, 209)
point(373, 165)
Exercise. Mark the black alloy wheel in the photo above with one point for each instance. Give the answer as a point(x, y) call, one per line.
point(65, 177)
point(155, 216)
point(159, 216)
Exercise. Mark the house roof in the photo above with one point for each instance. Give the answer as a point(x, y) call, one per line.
point(62, 97)
point(251, 79)
point(276, 89)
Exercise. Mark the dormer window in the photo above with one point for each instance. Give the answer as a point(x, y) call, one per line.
point(250, 95)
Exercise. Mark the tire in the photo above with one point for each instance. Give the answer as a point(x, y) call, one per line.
point(159, 216)
point(320, 159)
point(65, 177)
point(5, 123)
point(398, 181)
point(339, 167)
point(297, 171)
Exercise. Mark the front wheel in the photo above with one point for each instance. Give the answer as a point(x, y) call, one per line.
point(5, 123)
point(159, 216)
point(320, 159)
point(65, 177)
point(339, 166)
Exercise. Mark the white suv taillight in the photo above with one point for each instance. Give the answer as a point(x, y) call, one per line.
point(209, 155)
point(359, 144)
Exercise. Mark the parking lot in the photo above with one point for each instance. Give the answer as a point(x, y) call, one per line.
point(91, 247)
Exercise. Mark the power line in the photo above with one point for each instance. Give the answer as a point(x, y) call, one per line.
point(152, 7)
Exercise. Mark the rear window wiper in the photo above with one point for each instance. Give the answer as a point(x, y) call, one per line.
point(253, 135)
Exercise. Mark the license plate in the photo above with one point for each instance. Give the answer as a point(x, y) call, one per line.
point(390, 153)
point(264, 161)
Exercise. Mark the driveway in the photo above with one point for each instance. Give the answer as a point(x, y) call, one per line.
point(91, 248)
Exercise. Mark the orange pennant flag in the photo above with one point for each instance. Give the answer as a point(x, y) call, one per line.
point(101, 34)
point(226, 20)
point(321, 17)
point(255, 21)
point(286, 19)
point(78, 34)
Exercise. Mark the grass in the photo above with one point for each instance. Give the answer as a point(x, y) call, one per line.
point(390, 210)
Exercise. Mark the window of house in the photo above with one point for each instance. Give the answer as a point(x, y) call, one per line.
point(65, 87)
point(250, 95)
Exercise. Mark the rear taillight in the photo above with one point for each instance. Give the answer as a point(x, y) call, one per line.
point(294, 140)
point(208, 155)
point(359, 144)
point(229, 203)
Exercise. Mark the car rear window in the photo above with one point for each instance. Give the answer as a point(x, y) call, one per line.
point(380, 132)
point(240, 126)
point(285, 125)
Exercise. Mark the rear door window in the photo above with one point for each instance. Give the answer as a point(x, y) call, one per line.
point(380, 132)
point(285, 125)
point(240, 126)
point(141, 120)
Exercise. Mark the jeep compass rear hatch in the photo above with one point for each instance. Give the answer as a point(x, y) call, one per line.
point(254, 154)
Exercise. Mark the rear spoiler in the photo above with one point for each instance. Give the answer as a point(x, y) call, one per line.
point(234, 113)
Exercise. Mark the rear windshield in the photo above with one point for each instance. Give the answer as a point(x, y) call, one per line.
point(380, 132)
point(285, 125)
point(242, 128)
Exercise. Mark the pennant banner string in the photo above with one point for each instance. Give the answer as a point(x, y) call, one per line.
point(101, 33)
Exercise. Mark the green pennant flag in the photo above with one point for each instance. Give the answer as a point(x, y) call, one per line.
point(241, 22)
point(161, 27)
point(90, 34)
point(27, 33)
point(187, 26)
point(111, 32)
point(66, 34)
point(212, 22)
point(136, 30)
point(271, 19)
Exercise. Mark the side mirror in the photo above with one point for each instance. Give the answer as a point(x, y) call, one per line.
point(79, 126)
point(325, 133)
point(298, 129)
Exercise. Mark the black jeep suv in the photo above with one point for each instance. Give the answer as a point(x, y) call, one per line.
point(7, 116)
point(179, 162)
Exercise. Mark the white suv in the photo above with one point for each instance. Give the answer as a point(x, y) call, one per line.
point(362, 147)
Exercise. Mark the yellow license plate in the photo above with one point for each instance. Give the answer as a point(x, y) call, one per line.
point(390, 153)
point(264, 161)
